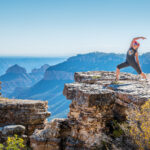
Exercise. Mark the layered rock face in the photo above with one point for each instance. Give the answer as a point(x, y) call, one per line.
point(21, 116)
point(98, 104)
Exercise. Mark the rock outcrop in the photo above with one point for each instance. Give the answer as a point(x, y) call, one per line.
point(98, 105)
point(21, 117)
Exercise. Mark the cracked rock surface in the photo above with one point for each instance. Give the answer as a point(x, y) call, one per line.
point(97, 102)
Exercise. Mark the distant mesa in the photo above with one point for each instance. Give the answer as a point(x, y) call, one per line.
point(16, 69)
point(58, 75)
point(16, 79)
point(41, 69)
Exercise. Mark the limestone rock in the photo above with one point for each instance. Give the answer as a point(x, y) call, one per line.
point(21, 117)
point(98, 104)
point(13, 129)
point(51, 137)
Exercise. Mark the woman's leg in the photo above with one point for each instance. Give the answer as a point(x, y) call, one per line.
point(120, 66)
point(138, 70)
point(117, 73)
point(143, 75)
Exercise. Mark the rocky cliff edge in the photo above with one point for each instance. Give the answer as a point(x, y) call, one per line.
point(21, 117)
point(98, 105)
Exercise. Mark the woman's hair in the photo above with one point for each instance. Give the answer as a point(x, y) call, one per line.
point(136, 43)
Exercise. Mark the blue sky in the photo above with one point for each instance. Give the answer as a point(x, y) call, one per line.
point(70, 27)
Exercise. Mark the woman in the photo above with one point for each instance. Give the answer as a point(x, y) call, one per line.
point(132, 53)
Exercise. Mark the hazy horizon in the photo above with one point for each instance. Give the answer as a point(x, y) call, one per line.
point(65, 56)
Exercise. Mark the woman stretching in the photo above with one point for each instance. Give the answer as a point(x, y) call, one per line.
point(132, 53)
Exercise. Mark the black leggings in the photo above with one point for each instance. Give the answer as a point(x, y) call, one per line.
point(133, 65)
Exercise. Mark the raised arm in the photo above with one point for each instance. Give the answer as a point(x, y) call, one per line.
point(137, 38)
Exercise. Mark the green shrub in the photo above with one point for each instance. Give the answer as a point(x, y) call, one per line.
point(13, 143)
point(140, 125)
point(1, 146)
point(117, 130)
